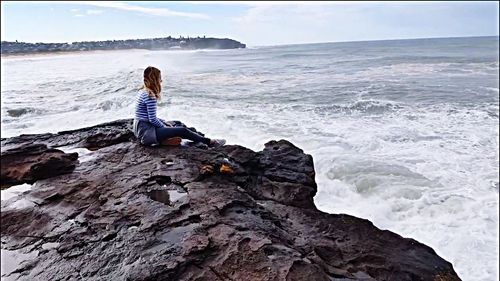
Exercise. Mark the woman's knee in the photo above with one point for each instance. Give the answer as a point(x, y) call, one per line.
point(183, 132)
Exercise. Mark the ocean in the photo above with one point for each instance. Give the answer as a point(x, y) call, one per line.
point(404, 133)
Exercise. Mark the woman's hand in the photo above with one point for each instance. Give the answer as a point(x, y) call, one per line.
point(166, 123)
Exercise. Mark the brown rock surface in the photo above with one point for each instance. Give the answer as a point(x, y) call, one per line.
point(131, 212)
point(29, 163)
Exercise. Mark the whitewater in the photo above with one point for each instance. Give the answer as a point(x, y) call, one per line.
point(403, 133)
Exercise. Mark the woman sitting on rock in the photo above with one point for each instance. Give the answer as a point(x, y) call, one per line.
point(152, 131)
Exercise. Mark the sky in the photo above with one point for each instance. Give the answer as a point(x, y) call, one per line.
point(252, 23)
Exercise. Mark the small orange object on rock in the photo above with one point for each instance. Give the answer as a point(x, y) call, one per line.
point(225, 169)
point(207, 169)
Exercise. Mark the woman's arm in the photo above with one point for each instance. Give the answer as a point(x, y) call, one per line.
point(151, 107)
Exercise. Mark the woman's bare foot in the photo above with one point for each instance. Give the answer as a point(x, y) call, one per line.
point(217, 142)
point(172, 141)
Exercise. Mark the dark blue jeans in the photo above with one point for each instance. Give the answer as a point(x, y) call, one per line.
point(185, 133)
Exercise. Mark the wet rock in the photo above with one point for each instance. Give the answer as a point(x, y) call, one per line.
point(174, 213)
point(92, 138)
point(29, 163)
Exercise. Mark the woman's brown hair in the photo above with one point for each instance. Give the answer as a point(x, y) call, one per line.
point(152, 82)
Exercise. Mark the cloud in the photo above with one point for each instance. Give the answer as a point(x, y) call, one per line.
point(94, 12)
point(161, 12)
point(268, 3)
point(79, 15)
point(289, 23)
point(74, 10)
point(315, 14)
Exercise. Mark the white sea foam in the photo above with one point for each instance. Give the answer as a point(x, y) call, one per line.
point(83, 153)
point(14, 191)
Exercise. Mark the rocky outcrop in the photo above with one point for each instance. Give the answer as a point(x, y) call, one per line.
point(147, 44)
point(130, 212)
point(92, 138)
point(28, 163)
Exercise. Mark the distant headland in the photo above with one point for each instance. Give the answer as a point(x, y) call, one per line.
point(166, 43)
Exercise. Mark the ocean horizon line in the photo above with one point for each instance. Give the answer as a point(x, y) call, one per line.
point(375, 40)
point(267, 45)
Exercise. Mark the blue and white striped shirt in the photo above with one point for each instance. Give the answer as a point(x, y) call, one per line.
point(145, 109)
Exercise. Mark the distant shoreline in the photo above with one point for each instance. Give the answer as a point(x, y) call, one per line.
point(167, 43)
point(44, 54)
point(57, 53)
